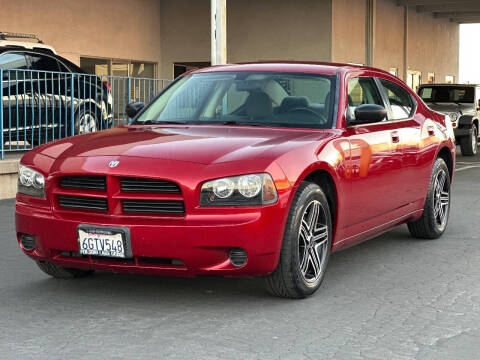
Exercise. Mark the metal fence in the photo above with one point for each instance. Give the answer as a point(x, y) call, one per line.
point(42, 106)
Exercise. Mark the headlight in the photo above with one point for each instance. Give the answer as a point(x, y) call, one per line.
point(30, 182)
point(244, 190)
point(453, 117)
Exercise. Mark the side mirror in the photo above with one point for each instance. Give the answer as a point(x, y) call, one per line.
point(368, 113)
point(134, 108)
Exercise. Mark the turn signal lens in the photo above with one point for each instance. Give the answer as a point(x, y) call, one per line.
point(269, 191)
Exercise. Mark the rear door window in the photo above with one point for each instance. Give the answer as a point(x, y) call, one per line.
point(45, 63)
point(400, 100)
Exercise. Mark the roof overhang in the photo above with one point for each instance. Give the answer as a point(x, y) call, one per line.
point(459, 11)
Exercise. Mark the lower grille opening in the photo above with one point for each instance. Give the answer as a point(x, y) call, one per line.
point(113, 259)
point(72, 254)
point(160, 261)
point(140, 260)
point(77, 255)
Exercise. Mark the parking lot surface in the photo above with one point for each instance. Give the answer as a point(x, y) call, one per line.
point(389, 298)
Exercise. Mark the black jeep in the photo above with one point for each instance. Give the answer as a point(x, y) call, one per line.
point(462, 103)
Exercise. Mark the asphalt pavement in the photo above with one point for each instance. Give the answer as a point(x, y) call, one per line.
point(393, 297)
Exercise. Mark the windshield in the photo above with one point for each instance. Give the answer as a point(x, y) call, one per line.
point(246, 98)
point(445, 94)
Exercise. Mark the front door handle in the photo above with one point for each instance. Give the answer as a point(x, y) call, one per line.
point(395, 137)
point(430, 130)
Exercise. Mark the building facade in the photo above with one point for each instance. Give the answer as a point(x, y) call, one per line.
point(163, 38)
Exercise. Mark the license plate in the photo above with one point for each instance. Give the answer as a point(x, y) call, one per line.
point(104, 241)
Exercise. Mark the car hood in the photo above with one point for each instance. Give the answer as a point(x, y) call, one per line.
point(451, 107)
point(199, 144)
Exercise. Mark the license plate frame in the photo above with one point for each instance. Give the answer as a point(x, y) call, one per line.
point(106, 230)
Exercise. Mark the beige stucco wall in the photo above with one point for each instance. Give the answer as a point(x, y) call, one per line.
point(389, 36)
point(256, 31)
point(123, 29)
point(168, 31)
point(433, 46)
point(279, 30)
point(348, 31)
point(432, 43)
point(185, 28)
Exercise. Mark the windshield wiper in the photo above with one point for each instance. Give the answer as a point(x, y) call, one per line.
point(243, 123)
point(155, 122)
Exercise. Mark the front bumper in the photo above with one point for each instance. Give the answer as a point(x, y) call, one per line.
point(201, 241)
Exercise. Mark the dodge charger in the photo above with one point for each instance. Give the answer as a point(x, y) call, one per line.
point(258, 169)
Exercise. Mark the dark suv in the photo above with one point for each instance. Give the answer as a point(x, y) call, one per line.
point(40, 90)
point(462, 104)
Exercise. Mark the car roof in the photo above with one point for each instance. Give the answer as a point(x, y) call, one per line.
point(289, 66)
point(16, 45)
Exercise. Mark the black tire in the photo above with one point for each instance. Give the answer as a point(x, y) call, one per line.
point(61, 272)
point(429, 226)
point(469, 143)
point(288, 280)
point(87, 119)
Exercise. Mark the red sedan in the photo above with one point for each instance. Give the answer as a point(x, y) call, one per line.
point(241, 170)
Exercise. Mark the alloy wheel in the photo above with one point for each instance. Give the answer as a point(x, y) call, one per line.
point(441, 199)
point(313, 242)
point(87, 124)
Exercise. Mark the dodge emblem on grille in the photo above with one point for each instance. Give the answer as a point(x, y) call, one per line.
point(114, 163)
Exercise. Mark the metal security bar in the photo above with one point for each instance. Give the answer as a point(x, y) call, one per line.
point(42, 106)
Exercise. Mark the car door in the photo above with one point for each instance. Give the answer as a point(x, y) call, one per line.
point(16, 99)
point(376, 162)
point(401, 115)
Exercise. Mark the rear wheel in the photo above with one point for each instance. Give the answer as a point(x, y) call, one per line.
point(434, 220)
point(61, 272)
point(306, 245)
point(469, 143)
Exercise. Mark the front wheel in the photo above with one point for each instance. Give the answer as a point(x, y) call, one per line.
point(306, 245)
point(436, 210)
point(469, 143)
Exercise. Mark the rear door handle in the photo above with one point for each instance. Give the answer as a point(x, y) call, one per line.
point(395, 137)
point(430, 130)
